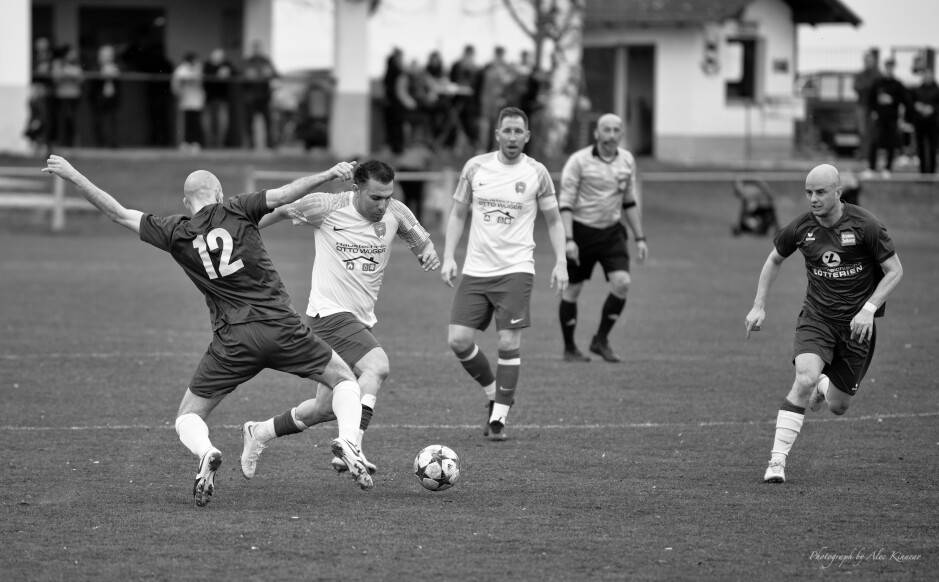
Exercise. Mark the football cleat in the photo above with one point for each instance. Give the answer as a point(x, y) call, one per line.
point(603, 349)
point(352, 457)
point(488, 416)
point(575, 355)
point(817, 398)
point(204, 486)
point(340, 466)
point(251, 452)
point(775, 472)
point(497, 430)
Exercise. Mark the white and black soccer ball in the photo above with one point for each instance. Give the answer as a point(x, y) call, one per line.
point(437, 467)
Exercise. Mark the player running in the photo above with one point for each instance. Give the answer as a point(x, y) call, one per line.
point(254, 325)
point(503, 190)
point(852, 267)
point(353, 232)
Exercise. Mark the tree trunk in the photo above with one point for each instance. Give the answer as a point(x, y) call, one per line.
point(566, 81)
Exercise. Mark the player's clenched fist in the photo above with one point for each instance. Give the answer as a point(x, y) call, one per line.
point(60, 167)
point(342, 171)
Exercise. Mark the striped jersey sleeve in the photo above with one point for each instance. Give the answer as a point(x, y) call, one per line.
point(410, 230)
point(313, 208)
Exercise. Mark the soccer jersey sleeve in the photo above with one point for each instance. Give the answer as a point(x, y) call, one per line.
point(464, 189)
point(409, 229)
point(545, 183)
point(253, 206)
point(312, 209)
point(158, 231)
point(878, 241)
point(786, 241)
point(570, 183)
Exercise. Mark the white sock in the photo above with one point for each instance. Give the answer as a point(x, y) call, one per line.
point(788, 425)
point(194, 434)
point(347, 406)
point(499, 412)
point(264, 431)
point(490, 391)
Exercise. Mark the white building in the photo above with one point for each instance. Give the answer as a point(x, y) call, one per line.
point(701, 79)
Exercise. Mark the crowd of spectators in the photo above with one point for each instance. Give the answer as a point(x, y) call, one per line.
point(439, 107)
point(895, 119)
point(206, 95)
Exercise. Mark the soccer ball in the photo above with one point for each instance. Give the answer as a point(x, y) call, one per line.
point(437, 467)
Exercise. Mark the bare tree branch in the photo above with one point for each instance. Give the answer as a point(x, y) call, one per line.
point(510, 6)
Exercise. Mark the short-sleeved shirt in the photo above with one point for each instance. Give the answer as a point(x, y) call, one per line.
point(351, 251)
point(842, 262)
point(596, 190)
point(222, 253)
point(505, 199)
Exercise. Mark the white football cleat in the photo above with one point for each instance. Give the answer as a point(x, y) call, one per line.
point(204, 486)
point(817, 397)
point(775, 472)
point(251, 452)
point(352, 457)
point(340, 466)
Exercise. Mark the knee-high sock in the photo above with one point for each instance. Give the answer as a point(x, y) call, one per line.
point(476, 364)
point(510, 364)
point(788, 424)
point(368, 409)
point(194, 434)
point(612, 308)
point(283, 424)
point(567, 314)
point(347, 407)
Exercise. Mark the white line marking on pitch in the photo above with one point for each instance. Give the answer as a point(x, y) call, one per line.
point(683, 425)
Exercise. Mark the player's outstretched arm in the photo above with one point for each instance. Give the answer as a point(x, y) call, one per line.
point(100, 199)
point(301, 187)
point(552, 216)
point(455, 225)
point(767, 276)
point(862, 324)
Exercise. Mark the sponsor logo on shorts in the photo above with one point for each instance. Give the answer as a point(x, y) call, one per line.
point(513, 321)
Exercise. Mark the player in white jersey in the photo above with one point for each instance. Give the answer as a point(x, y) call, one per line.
point(503, 190)
point(353, 232)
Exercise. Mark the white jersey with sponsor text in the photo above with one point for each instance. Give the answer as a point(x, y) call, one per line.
point(351, 251)
point(505, 200)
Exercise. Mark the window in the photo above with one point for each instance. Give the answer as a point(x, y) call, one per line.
point(742, 60)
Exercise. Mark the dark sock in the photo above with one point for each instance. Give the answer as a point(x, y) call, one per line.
point(567, 314)
point(507, 376)
point(367, 412)
point(790, 407)
point(284, 425)
point(478, 366)
point(612, 308)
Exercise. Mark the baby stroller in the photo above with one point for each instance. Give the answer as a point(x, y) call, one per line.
point(757, 211)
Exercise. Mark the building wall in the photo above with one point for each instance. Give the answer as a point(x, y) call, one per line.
point(693, 118)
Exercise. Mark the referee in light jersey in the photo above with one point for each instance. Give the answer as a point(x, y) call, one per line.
point(598, 190)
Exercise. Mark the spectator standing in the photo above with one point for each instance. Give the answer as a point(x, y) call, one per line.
point(67, 78)
point(218, 75)
point(863, 83)
point(465, 73)
point(395, 109)
point(105, 98)
point(887, 97)
point(259, 72)
point(37, 126)
point(42, 75)
point(497, 78)
point(190, 98)
point(925, 117)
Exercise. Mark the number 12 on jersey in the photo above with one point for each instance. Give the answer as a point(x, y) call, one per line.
point(225, 266)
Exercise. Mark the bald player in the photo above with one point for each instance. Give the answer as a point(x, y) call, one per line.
point(852, 267)
point(599, 191)
point(254, 325)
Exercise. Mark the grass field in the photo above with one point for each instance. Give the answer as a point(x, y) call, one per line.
point(650, 469)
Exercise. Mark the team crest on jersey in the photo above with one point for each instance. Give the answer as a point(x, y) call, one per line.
point(379, 229)
point(847, 239)
point(520, 187)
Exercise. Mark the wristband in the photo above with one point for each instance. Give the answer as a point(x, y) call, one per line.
point(640, 239)
point(569, 239)
point(869, 307)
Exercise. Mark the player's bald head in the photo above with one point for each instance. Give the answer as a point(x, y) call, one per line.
point(609, 119)
point(823, 175)
point(202, 185)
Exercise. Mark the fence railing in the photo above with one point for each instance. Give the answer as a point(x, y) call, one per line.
point(27, 188)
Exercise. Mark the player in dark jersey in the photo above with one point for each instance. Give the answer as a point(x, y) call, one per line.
point(254, 325)
point(852, 267)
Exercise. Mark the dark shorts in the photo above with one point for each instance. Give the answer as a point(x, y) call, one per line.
point(238, 352)
point(508, 296)
point(606, 246)
point(351, 338)
point(846, 360)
